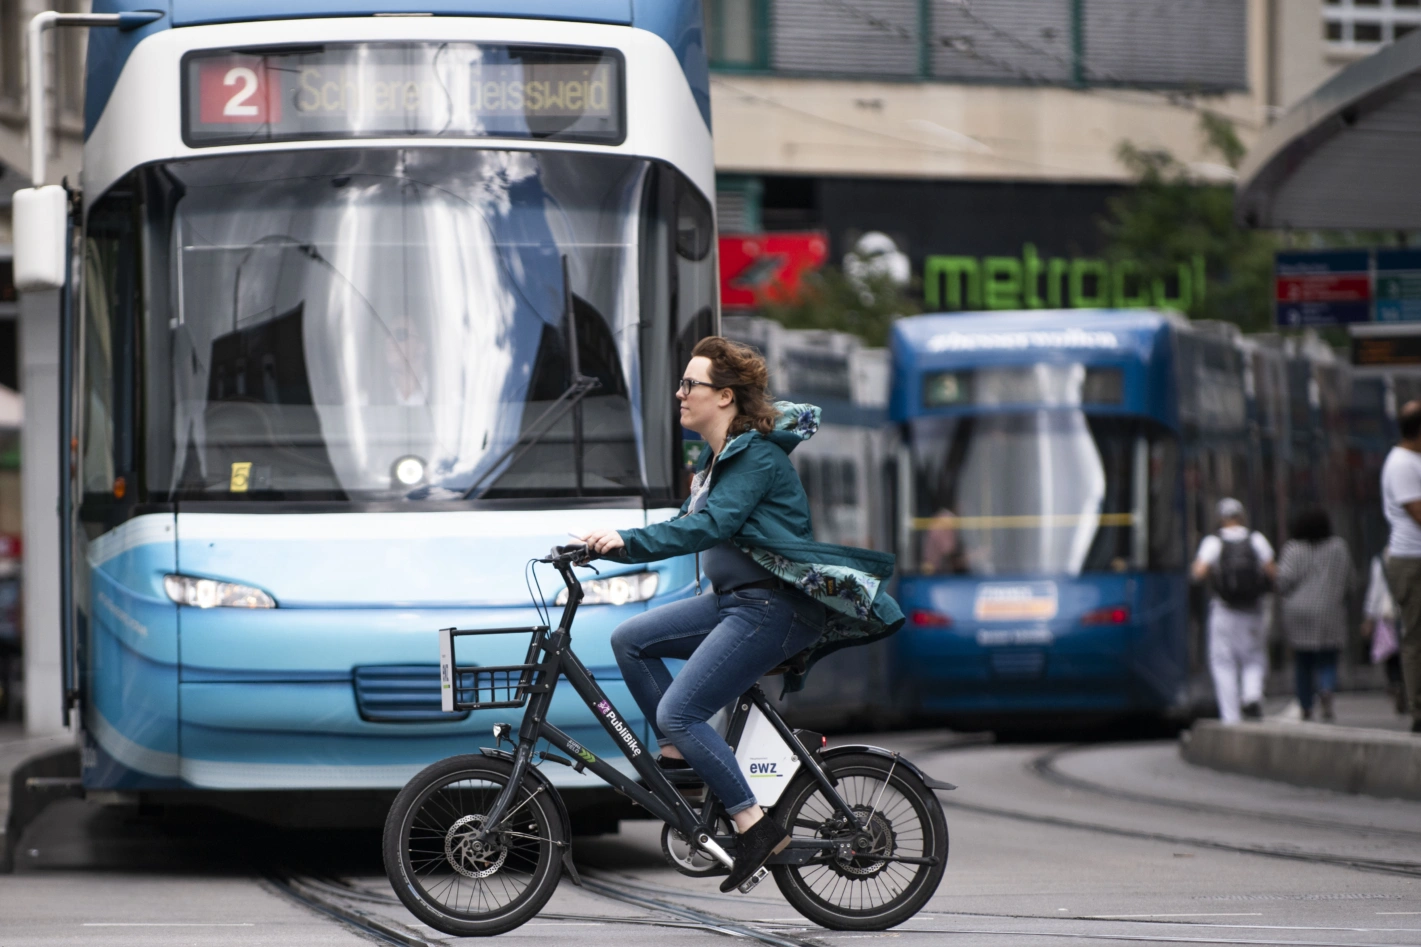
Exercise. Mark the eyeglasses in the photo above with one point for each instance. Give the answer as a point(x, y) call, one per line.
point(688, 383)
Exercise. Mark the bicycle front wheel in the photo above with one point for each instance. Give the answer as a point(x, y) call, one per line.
point(880, 876)
point(456, 882)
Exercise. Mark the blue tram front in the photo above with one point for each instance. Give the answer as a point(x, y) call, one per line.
point(373, 310)
point(1040, 528)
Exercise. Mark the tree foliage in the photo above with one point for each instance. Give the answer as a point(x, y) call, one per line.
point(830, 299)
point(1170, 217)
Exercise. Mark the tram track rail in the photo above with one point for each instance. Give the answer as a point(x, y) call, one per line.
point(1042, 766)
point(364, 905)
point(312, 897)
point(332, 897)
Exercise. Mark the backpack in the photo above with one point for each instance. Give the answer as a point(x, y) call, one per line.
point(1238, 576)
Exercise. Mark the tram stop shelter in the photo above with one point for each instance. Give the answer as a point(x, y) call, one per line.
point(1347, 156)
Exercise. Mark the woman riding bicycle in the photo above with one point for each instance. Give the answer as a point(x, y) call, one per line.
point(776, 591)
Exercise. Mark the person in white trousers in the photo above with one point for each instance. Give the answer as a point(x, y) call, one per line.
point(1237, 656)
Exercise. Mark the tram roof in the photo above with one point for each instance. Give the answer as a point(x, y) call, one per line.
point(1345, 157)
point(678, 22)
point(939, 337)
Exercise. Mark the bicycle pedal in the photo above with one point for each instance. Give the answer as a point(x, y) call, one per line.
point(753, 880)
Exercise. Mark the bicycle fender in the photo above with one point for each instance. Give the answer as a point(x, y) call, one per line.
point(829, 754)
point(538, 776)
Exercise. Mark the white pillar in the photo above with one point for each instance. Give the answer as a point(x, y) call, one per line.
point(39, 482)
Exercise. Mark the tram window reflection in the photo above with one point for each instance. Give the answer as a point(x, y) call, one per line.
point(336, 312)
point(1085, 494)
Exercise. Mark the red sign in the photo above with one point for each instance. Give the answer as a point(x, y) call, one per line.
point(238, 90)
point(767, 266)
point(1323, 288)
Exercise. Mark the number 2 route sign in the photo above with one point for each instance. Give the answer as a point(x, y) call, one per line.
point(237, 91)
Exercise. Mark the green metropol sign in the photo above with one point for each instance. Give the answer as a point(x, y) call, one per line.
point(1035, 282)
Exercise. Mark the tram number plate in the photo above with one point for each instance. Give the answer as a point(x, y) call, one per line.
point(237, 90)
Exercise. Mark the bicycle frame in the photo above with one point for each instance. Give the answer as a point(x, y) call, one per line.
point(658, 796)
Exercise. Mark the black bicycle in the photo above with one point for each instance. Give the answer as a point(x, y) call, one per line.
point(475, 845)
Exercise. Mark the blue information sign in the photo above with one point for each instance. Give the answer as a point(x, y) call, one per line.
point(1322, 287)
point(1398, 285)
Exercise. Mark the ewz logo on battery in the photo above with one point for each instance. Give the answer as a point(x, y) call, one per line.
point(764, 769)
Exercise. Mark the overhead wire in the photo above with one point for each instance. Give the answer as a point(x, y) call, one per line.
point(889, 136)
point(1175, 97)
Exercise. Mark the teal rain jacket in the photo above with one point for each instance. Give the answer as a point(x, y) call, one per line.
point(757, 502)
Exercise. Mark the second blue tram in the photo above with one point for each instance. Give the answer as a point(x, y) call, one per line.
point(1041, 538)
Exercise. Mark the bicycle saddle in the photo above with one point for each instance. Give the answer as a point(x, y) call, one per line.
point(795, 663)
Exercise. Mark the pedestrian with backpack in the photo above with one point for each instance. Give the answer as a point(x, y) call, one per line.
point(1238, 562)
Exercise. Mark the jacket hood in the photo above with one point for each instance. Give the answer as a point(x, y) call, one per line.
point(797, 423)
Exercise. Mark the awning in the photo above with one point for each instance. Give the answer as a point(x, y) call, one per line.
point(1346, 157)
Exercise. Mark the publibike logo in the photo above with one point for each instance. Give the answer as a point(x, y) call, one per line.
point(605, 709)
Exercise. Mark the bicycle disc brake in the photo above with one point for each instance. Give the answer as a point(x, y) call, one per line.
point(470, 857)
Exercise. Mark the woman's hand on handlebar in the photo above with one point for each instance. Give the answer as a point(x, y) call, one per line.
point(603, 541)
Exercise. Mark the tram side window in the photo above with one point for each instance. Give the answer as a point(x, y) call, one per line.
point(111, 302)
point(1115, 441)
point(1166, 541)
point(678, 292)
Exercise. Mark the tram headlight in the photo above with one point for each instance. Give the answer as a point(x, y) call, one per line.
point(616, 589)
point(408, 471)
point(209, 593)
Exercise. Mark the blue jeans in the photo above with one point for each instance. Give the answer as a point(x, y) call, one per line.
point(1324, 664)
point(728, 641)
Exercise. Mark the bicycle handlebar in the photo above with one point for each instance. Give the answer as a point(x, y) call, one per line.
point(574, 553)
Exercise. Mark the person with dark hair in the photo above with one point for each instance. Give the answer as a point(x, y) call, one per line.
point(776, 592)
point(1314, 578)
point(1401, 501)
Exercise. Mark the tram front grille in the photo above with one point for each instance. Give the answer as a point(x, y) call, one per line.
point(401, 693)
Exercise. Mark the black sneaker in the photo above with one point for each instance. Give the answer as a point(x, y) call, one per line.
point(671, 762)
point(1253, 711)
point(755, 846)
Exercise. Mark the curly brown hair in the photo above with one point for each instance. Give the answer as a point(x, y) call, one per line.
point(741, 369)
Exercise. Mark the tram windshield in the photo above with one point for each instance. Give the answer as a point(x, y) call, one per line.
point(1053, 491)
point(413, 324)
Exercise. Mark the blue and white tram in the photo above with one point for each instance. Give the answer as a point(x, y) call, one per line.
point(375, 307)
point(1041, 498)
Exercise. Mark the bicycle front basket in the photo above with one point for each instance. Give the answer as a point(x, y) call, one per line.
point(471, 687)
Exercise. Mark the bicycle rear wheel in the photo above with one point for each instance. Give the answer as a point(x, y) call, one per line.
point(448, 878)
point(866, 885)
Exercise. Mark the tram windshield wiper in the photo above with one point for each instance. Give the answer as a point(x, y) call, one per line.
point(581, 386)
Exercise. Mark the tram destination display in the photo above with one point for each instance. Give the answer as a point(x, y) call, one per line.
point(396, 90)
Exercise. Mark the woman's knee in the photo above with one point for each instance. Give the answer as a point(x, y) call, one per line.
point(627, 638)
point(673, 716)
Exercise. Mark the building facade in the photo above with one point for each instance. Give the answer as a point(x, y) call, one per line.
point(985, 130)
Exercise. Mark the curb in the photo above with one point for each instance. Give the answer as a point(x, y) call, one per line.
point(1343, 759)
point(44, 778)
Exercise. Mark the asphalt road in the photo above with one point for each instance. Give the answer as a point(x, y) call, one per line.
point(1051, 844)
